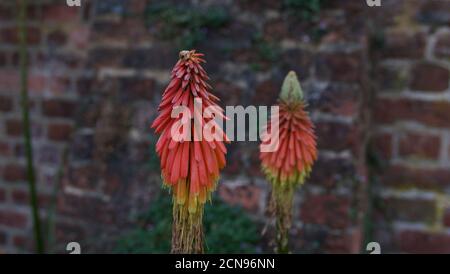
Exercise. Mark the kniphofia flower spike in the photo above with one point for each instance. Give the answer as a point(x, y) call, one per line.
point(190, 162)
point(290, 164)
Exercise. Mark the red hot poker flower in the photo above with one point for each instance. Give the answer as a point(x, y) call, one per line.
point(291, 163)
point(189, 166)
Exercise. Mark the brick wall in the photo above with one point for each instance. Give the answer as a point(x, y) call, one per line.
point(411, 114)
point(96, 77)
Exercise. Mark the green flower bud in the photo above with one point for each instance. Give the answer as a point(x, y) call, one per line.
point(291, 90)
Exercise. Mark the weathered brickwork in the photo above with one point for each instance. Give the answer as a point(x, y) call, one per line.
point(97, 73)
point(411, 128)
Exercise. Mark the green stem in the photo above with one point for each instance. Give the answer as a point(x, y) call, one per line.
point(283, 197)
point(22, 21)
point(282, 236)
point(187, 230)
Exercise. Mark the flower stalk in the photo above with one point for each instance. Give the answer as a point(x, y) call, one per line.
point(23, 64)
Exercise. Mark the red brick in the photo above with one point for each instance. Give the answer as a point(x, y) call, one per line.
point(40, 58)
point(14, 173)
point(329, 210)
point(2, 195)
point(137, 88)
point(388, 111)
point(9, 80)
point(410, 210)
point(412, 241)
point(230, 94)
point(381, 143)
point(20, 241)
point(339, 67)
point(157, 57)
point(37, 83)
point(403, 176)
point(83, 177)
point(442, 49)
point(267, 92)
point(446, 220)
point(430, 77)
point(14, 127)
point(5, 149)
point(419, 145)
point(58, 108)
point(247, 196)
point(10, 35)
point(136, 6)
point(79, 37)
point(347, 242)
point(6, 103)
point(21, 197)
point(275, 30)
point(58, 85)
point(60, 13)
point(340, 100)
point(90, 208)
point(392, 78)
point(114, 184)
point(399, 44)
point(57, 38)
point(59, 132)
point(103, 32)
point(106, 57)
point(68, 232)
point(335, 135)
point(13, 219)
point(332, 173)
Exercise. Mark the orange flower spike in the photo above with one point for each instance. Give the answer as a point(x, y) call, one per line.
point(291, 162)
point(189, 166)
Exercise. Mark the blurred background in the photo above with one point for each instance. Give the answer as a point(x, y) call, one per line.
point(377, 84)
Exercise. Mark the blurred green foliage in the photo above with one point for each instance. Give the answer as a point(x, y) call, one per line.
point(266, 50)
point(304, 9)
point(228, 229)
point(185, 24)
